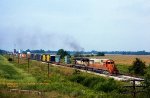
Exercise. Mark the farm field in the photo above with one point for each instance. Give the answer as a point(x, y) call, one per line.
point(61, 83)
point(127, 59)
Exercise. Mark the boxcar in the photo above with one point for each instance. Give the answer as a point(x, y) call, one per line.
point(52, 59)
point(57, 59)
point(38, 57)
point(67, 60)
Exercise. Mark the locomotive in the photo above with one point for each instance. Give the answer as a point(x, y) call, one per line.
point(106, 66)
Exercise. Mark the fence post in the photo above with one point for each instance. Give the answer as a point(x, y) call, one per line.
point(134, 92)
point(134, 86)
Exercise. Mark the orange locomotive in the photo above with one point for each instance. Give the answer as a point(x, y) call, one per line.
point(105, 65)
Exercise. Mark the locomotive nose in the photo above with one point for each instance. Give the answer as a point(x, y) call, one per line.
point(116, 70)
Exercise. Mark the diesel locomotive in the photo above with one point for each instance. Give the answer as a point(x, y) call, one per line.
point(105, 65)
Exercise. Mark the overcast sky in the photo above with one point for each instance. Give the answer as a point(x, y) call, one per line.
point(103, 25)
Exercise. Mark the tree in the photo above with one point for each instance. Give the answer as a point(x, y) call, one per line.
point(100, 54)
point(62, 53)
point(78, 54)
point(138, 67)
point(28, 50)
point(3, 51)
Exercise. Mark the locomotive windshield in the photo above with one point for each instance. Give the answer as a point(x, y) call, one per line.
point(109, 62)
point(112, 62)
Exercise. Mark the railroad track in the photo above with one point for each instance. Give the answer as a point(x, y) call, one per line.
point(119, 77)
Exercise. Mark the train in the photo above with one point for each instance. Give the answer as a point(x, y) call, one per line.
point(45, 58)
point(106, 66)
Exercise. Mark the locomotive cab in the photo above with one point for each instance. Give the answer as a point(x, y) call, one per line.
point(110, 65)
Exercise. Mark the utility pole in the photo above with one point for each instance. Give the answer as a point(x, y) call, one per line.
point(13, 56)
point(14, 52)
point(28, 64)
point(28, 57)
point(48, 69)
point(18, 57)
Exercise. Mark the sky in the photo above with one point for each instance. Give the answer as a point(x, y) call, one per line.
point(102, 25)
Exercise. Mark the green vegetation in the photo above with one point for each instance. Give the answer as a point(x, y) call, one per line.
point(100, 54)
point(147, 79)
point(9, 72)
point(62, 82)
point(138, 67)
point(96, 83)
point(3, 51)
point(123, 69)
point(62, 53)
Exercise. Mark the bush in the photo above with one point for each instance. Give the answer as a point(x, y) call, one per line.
point(96, 83)
point(100, 54)
point(92, 81)
point(76, 71)
point(107, 86)
point(138, 67)
point(10, 59)
point(77, 78)
point(147, 79)
point(147, 82)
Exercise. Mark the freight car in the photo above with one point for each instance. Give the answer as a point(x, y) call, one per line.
point(57, 59)
point(38, 57)
point(46, 58)
point(67, 60)
point(32, 56)
point(106, 66)
point(52, 58)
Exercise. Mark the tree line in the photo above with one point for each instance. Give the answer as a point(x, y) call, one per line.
point(3, 51)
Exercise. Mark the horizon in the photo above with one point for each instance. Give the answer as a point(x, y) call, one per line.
point(77, 51)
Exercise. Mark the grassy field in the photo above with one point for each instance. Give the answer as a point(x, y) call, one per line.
point(61, 83)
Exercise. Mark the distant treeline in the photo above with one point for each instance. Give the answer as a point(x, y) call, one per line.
point(93, 52)
point(129, 52)
point(40, 51)
point(3, 51)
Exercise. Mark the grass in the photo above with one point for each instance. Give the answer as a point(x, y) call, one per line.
point(62, 82)
point(123, 69)
point(9, 72)
point(6, 94)
point(97, 83)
